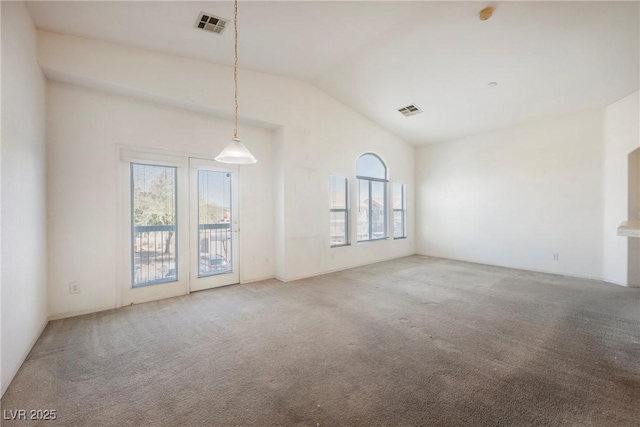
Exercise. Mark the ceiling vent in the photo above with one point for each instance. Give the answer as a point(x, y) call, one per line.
point(211, 23)
point(410, 110)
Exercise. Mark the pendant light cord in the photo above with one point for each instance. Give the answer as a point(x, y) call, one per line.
point(235, 66)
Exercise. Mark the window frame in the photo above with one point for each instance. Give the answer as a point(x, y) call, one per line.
point(385, 208)
point(161, 281)
point(127, 293)
point(403, 209)
point(344, 210)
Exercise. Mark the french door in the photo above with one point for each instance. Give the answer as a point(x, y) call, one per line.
point(180, 226)
point(214, 224)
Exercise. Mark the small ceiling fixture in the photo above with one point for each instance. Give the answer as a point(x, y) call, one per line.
point(410, 110)
point(486, 13)
point(492, 84)
point(235, 152)
point(212, 23)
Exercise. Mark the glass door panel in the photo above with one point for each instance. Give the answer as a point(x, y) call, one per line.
point(214, 224)
point(154, 224)
point(215, 244)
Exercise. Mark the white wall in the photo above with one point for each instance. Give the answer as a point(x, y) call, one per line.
point(621, 137)
point(84, 128)
point(24, 257)
point(279, 225)
point(515, 197)
point(331, 141)
point(316, 136)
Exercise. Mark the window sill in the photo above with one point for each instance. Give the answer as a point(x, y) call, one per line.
point(629, 229)
point(339, 246)
point(399, 238)
point(372, 240)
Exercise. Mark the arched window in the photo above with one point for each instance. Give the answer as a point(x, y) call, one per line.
point(372, 198)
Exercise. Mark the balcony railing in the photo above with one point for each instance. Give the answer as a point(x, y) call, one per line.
point(214, 249)
point(154, 254)
point(155, 250)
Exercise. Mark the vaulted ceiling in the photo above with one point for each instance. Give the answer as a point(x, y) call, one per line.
point(547, 58)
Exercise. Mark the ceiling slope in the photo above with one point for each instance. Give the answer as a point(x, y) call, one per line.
point(547, 58)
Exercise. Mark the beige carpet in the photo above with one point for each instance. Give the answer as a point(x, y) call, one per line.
point(415, 341)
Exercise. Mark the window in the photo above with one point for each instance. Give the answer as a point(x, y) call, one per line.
point(153, 215)
point(399, 211)
point(372, 198)
point(338, 211)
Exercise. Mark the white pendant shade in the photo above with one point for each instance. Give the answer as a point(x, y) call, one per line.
point(236, 152)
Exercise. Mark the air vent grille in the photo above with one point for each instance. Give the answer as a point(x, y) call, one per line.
point(211, 23)
point(410, 110)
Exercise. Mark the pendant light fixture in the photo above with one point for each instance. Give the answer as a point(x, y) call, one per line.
point(235, 152)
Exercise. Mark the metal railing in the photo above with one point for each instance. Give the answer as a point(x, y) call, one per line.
point(154, 254)
point(214, 249)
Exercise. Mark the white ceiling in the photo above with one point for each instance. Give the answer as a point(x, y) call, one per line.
point(548, 58)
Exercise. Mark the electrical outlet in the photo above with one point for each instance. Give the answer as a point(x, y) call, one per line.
point(556, 256)
point(74, 287)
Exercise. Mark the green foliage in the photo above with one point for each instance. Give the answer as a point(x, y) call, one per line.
point(153, 197)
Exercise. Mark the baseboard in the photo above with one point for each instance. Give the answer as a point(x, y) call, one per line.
point(342, 269)
point(614, 282)
point(79, 313)
point(259, 279)
point(512, 267)
point(15, 370)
